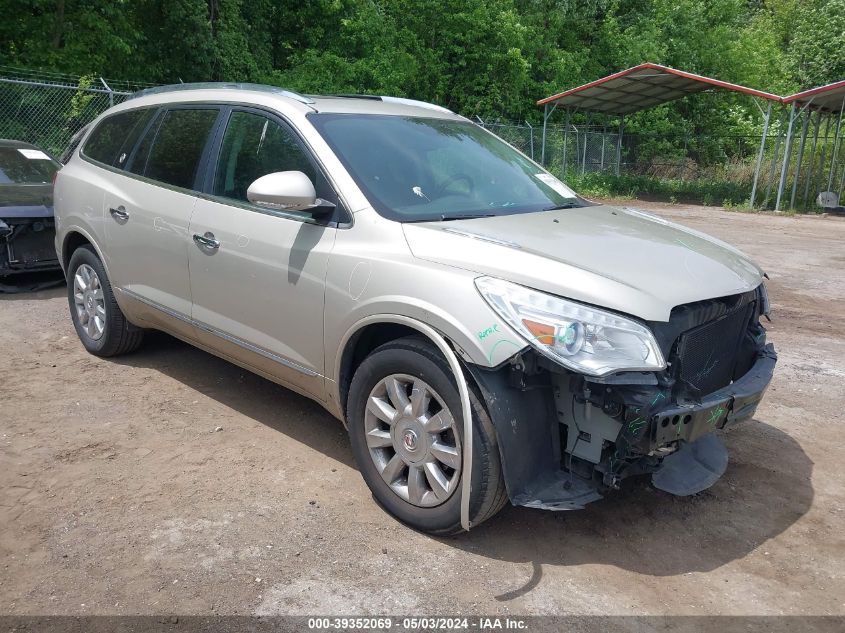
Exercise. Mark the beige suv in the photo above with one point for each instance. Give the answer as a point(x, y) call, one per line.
point(484, 333)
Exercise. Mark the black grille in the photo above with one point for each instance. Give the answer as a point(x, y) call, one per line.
point(707, 354)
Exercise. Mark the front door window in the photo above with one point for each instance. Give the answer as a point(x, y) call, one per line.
point(254, 146)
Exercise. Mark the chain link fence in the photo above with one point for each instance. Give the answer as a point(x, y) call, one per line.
point(581, 149)
point(47, 109)
point(709, 168)
point(525, 137)
point(586, 149)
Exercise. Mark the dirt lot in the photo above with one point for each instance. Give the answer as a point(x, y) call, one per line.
point(117, 495)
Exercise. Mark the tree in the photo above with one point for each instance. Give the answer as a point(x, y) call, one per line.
point(492, 58)
point(816, 51)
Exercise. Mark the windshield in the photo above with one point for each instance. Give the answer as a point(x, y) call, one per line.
point(417, 169)
point(25, 165)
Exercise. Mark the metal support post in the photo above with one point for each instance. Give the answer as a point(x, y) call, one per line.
point(773, 167)
point(530, 138)
point(577, 145)
point(584, 159)
point(842, 185)
point(827, 121)
point(619, 143)
point(111, 93)
point(812, 169)
point(603, 139)
point(565, 139)
point(787, 148)
point(804, 129)
point(835, 145)
point(543, 148)
point(834, 164)
point(760, 153)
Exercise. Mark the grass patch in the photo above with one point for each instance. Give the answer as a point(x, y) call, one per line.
point(709, 192)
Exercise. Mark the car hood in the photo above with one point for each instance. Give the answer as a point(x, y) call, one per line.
point(619, 258)
point(26, 200)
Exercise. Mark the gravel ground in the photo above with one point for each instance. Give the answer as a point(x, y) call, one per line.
point(170, 481)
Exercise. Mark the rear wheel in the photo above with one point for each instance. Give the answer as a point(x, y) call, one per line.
point(405, 426)
point(97, 318)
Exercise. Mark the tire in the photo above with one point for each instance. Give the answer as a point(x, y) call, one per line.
point(117, 335)
point(408, 361)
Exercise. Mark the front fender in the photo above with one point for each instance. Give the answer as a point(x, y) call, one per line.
point(479, 338)
point(372, 277)
point(466, 345)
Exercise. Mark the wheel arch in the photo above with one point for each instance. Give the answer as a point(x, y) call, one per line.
point(368, 334)
point(524, 420)
point(361, 341)
point(74, 238)
point(452, 355)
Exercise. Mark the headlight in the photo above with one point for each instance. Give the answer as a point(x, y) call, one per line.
point(579, 337)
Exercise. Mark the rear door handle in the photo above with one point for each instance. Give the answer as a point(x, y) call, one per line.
point(120, 213)
point(207, 240)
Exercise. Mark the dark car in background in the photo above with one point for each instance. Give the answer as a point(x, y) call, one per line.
point(27, 227)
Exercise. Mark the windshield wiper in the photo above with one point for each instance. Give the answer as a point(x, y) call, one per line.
point(445, 217)
point(565, 205)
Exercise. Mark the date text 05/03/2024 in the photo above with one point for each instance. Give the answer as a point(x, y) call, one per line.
point(417, 623)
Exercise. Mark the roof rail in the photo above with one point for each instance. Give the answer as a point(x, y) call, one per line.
point(348, 95)
point(217, 85)
point(414, 102)
point(400, 100)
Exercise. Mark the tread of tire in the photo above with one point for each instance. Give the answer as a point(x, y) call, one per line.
point(130, 335)
point(492, 500)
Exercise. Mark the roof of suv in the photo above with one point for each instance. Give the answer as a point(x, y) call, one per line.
point(348, 104)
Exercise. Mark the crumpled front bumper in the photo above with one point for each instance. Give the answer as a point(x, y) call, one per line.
point(727, 406)
point(532, 464)
point(702, 457)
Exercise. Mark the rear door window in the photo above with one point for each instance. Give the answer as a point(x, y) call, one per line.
point(137, 163)
point(115, 135)
point(178, 146)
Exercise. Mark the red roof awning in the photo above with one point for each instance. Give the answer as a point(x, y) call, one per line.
point(829, 98)
point(640, 88)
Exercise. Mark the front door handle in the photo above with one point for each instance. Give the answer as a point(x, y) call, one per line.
point(207, 240)
point(120, 213)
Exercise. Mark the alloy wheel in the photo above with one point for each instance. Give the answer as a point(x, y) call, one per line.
point(89, 301)
point(413, 440)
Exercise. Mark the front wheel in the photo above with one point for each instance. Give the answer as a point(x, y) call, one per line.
point(97, 318)
point(407, 436)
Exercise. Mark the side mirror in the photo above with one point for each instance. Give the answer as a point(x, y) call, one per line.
point(288, 190)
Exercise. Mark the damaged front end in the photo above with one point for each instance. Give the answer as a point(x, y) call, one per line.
point(567, 438)
point(26, 245)
point(27, 225)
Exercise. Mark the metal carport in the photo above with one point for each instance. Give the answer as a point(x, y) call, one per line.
point(639, 88)
point(807, 109)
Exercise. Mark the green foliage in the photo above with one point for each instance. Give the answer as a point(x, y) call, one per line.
point(81, 100)
point(706, 191)
point(485, 57)
point(817, 49)
point(492, 58)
